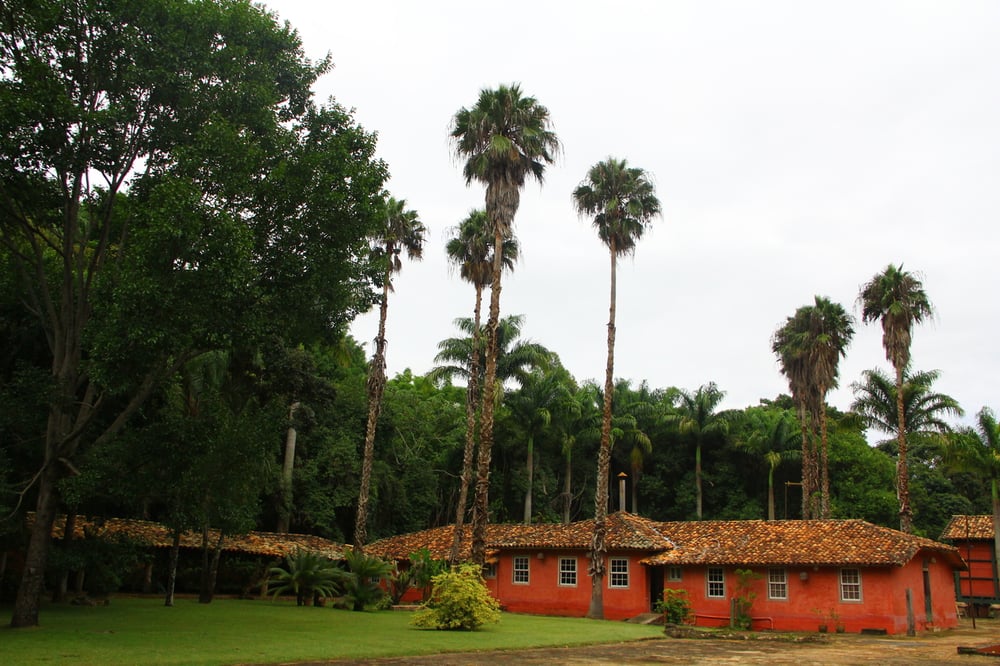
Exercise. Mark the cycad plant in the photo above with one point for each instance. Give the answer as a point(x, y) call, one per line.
point(307, 575)
point(362, 587)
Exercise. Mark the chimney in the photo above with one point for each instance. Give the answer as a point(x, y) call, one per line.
point(621, 492)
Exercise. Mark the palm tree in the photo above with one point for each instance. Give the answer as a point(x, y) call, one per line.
point(579, 430)
point(532, 407)
point(307, 574)
point(923, 409)
point(402, 231)
point(830, 332)
point(978, 450)
point(771, 437)
point(788, 343)
point(622, 202)
point(896, 298)
point(470, 249)
point(505, 138)
point(697, 420)
point(809, 347)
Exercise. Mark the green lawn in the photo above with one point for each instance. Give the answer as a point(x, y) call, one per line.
point(143, 631)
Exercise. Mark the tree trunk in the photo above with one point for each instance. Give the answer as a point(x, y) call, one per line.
point(824, 468)
point(175, 550)
point(208, 593)
point(481, 506)
point(806, 488)
point(287, 469)
point(567, 494)
point(697, 477)
point(376, 386)
point(902, 471)
point(29, 592)
point(204, 595)
point(530, 473)
point(471, 403)
point(598, 548)
point(770, 494)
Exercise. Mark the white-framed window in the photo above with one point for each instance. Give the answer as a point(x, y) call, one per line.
point(673, 573)
point(716, 583)
point(567, 571)
point(490, 570)
point(520, 570)
point(777, 584)
point(850, 584)
point(619, 572)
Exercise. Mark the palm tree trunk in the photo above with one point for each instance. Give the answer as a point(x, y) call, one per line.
point(471, 402)
point(806, 488)
point(770, 493)
point(480, 515)
point(824, 469)
point(902, 471)
point(697, 477)
point(376, 386)
point(287, 468)
point(567, 494)
point(598, 547)
point(530, 473)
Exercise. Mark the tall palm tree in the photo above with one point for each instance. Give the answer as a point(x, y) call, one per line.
point(978, 450)
point(505, 138)
point(402, 232)
point(470, 249)
point(622, 202)
point(788, 343)
point(897, 298)
point(697, 419)
point(923, 409)
point(810, 347)
point(830, 332)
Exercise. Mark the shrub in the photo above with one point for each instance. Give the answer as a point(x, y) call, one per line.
point(361, 590)
point(675, 606)
point(459, 600)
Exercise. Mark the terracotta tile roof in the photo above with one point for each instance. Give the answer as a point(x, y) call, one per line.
point(625, 532)
point(794, 542)
point(159, 536)
point(969, 527)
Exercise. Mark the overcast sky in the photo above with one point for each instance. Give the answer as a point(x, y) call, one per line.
point(797, 149)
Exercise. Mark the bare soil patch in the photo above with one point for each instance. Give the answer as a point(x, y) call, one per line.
point(929, 649)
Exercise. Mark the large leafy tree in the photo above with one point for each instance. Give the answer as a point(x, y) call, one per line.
point(897, 299)
point(622, 203)
point(159, 161)
point(470, 249)
point(402, 232)
point(505, 138)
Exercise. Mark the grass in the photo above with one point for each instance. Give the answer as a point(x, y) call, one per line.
point(143, 631)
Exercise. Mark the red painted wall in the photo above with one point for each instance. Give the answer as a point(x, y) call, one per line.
point(979, 556)
point(812, 599)
point(545, 596)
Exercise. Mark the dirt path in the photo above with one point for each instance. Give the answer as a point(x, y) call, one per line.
point(926, 650)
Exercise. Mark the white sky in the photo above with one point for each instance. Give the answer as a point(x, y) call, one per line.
point(797, 149)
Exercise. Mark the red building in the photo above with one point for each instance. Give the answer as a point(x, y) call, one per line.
point(977, 586)
point(845, 573)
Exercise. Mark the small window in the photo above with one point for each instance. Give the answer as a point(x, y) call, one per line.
point(777, 584)
point(520, 570)
point(716, 583)
point(673, 573)
point(490, 570)
point(619, 572)
point(850, 585)
point(567, 571)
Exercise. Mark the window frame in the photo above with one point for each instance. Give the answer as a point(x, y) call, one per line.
point(517, 570)
point(675, 574)
point(490, 570)
point(621, 575)
point(720, 584)
point(855, 586)
point(565, 573)
point(773, 585)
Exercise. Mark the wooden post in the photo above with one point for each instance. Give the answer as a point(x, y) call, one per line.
point(911, 623)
